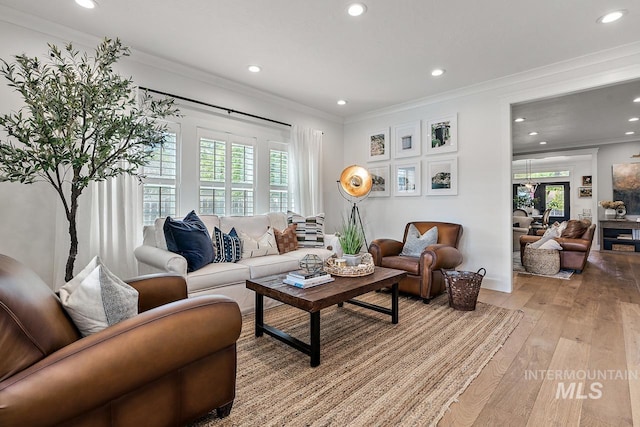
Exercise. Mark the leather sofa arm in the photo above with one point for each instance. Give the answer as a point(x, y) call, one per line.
point(380, 248)
point(125, 357)
point(163, 260)
point(158, 289)
point(576, 245)
point(439, 256)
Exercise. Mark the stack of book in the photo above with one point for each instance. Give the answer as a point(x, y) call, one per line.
point(635, 233)
point(303, 279)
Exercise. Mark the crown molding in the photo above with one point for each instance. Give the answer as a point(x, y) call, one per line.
point(532, 75)
point(52, 29)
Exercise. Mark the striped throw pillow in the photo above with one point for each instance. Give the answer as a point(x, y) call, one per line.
point(309, 231)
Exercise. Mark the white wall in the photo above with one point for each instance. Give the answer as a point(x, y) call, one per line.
point(609, 155)
point(484, 201)
point(28, 230)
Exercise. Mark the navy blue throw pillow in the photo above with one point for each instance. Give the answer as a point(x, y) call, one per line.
point(190, 239)
point(228, 246)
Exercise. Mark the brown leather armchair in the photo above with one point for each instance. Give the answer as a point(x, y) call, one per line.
point(424, 278)
point(172, 363)
point(575, 251)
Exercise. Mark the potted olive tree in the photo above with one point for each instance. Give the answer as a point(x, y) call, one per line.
point(81, 122)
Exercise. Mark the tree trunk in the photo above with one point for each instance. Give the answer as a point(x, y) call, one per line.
point(73, 234)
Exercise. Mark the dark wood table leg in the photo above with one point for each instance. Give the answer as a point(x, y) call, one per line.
point(394, 303)
point(315, 338)
point(259, 314)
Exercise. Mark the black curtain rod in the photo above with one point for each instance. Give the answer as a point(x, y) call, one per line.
point(228, 110)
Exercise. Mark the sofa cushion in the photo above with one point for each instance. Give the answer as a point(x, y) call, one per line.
point(96, 299)
point(286, 239)
point(310, 230)
point(190, 239)
point(216, 275)
point(257, 247)
point(416, 243)
point(254, 225)
point(270, 264)
point(228, 247)
point(301, 252)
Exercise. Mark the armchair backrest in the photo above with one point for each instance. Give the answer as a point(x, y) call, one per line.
point(33, 323)
point(448, 233)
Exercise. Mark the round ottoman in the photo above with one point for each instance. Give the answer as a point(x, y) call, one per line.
point(541, 261)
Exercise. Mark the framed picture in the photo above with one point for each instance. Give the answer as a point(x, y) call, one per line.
point(442, 135)
point(381, 183)
point(407, 179)
point(586, 181)
point(379, 145)
point(584, 191)
point(407, 139)
point(442, 177)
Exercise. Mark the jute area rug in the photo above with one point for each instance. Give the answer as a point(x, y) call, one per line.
point(371, 371)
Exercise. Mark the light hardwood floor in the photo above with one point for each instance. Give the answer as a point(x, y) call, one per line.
point(588, 326)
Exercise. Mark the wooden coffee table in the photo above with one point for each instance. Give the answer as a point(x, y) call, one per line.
point(314, 299)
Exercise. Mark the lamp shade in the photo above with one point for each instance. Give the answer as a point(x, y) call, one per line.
point(356, 181)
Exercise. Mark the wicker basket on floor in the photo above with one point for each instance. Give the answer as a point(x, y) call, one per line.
point(463, 288)
point(541, 261)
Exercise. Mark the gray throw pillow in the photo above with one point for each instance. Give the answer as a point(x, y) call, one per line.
point(416, 243)
point(96, 299)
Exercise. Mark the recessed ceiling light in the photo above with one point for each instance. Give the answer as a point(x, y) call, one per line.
point(634, 119)
point(342, 102)
point(534, 133)
point(88, 4)
point(356, 9)
point(519, 119)
point(254, 68)
point(437, 72)
point(637, 99)
point(611, 17)
point(543, 142)
point(629, 133)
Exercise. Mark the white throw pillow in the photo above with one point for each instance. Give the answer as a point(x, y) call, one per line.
point(263, 245)
point(416, 243)
point(96, 299)
point(551, 244)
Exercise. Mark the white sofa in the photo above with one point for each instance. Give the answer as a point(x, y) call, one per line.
point(226, 278)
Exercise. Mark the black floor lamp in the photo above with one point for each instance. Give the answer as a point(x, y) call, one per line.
point(355, 185)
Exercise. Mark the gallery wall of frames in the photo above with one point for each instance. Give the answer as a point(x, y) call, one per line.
point(400, 154)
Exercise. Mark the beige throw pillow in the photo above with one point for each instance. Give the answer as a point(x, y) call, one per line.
point(263, 245)
point(96, 299)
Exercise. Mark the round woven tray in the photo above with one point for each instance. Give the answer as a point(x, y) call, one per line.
point(365, 268)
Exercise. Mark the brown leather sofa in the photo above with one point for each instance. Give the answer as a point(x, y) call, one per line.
point(172, 363)
point(575, 250)
point(424, 278)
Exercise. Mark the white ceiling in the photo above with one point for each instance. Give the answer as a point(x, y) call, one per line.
point(579, 120)
point(313, 53)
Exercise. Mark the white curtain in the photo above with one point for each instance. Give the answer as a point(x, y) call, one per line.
point(306, 170)
point(109, 225)
point(115, 227)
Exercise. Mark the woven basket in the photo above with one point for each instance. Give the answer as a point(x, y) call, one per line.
point(365, 268)
point(463, 288)
point(541, 261)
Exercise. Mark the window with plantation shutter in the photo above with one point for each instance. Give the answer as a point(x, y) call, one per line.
point(159, 187)
point(227, 169)
point(278, 180)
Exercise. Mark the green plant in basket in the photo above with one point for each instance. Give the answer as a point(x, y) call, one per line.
point(351, 237)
